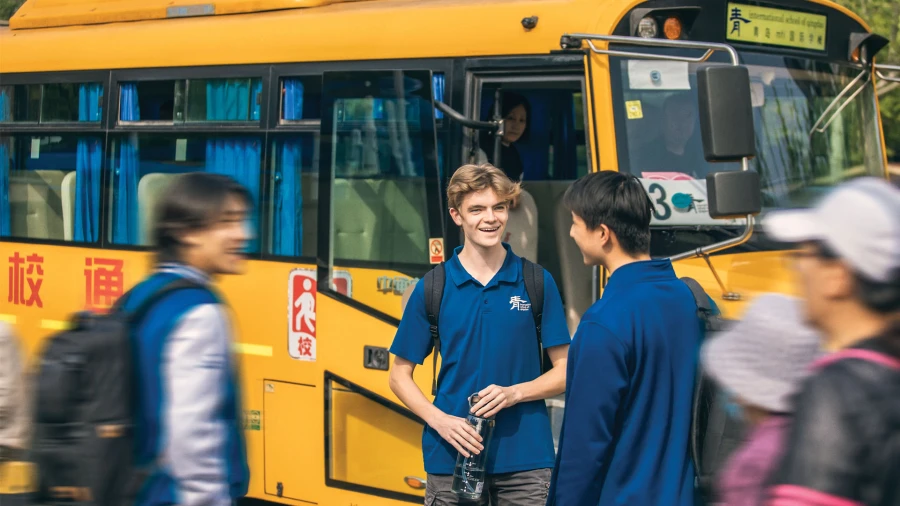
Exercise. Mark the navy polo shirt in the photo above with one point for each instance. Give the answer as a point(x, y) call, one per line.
point(487, 337)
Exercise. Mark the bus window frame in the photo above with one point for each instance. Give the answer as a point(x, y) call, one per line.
point(120, 77)
point(61, 77)
point(434, 202)
point(99, 128)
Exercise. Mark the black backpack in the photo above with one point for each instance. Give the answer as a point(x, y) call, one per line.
point(714, 433)
point(533, 275)
point(83, 413)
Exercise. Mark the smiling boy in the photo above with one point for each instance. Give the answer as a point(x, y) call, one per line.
point(488, 345)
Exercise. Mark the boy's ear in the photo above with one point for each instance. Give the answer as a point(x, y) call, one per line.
point(456, 216)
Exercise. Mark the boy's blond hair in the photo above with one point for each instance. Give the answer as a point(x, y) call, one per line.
point(475, 178)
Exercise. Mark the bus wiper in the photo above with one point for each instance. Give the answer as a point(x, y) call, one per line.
point(818, 127)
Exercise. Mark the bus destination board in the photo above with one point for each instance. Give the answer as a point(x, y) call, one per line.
point(780, 27)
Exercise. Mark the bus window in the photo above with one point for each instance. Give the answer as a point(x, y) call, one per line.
point(301, 99)
point(50, 186)
point(223, 99)
point(380, 134)
point(190, 100)
point(293, 195)
point(151, 101)
point(52, 103)
point(144, 164)
point(657, 119)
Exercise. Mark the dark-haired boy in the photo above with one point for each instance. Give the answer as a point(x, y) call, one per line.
point(632, 362)
point(187, 427)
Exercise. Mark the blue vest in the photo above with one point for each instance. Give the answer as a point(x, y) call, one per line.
point(149, 340)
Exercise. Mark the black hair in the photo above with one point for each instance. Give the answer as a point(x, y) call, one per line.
point(508, 101)
point(882, 297)
point(193, 201)
point(616, 200)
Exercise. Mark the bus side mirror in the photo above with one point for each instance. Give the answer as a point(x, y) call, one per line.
point(726, 113)
point(733, 194)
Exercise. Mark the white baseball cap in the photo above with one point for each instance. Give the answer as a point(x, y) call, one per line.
point(859, 220)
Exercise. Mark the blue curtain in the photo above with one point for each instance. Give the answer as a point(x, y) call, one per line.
point(233, 99)
point(5, 115)
point(5, 103)
point(125, 215)
point(293, 99)
point(438, 88)
point(239, 158)
point(88, 165)
point(288, 220)
point(565, 142)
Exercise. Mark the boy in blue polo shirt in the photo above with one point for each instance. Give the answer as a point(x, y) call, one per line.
point(489, 346)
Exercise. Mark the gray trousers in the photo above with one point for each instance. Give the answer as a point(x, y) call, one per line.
point(524, 488)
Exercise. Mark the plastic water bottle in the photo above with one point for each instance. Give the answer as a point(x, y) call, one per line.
point(469, 474)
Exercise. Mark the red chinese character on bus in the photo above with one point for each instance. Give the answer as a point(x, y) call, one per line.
point(20, 273)
point(305, 347)
point(104, 282)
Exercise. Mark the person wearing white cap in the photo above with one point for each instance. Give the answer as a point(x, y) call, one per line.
point(844, 444)
point(760, 362)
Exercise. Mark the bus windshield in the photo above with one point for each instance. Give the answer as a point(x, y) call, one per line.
point(803, 145)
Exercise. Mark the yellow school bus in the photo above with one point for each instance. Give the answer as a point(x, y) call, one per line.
point(345, 119)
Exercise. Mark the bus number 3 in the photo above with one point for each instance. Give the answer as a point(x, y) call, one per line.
point(667, 211)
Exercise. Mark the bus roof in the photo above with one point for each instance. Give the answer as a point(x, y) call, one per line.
point(299, 31)
point(55, 13)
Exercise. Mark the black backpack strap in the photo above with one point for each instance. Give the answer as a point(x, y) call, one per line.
point(704, 308)
point(533, 275)
point(434, 293)
point(700, 404)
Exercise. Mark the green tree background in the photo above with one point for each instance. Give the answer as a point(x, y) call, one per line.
point(8, 8)
point(882, 15)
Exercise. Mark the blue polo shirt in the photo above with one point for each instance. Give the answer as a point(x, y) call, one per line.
point(486, 338)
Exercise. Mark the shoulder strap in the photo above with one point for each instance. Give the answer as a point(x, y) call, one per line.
point(434, 293)
point(701, 400)
point(700, 298)
point(534, 285)
point(137, 313)
point(867, 355)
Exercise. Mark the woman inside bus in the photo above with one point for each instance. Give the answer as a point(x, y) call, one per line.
point(515, 112)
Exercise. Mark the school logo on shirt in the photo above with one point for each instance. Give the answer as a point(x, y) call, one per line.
point(519, 303)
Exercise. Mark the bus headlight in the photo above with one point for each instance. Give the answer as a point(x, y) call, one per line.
point(648, 28)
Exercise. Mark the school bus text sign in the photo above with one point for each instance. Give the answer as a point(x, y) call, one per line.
point(780, 27)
